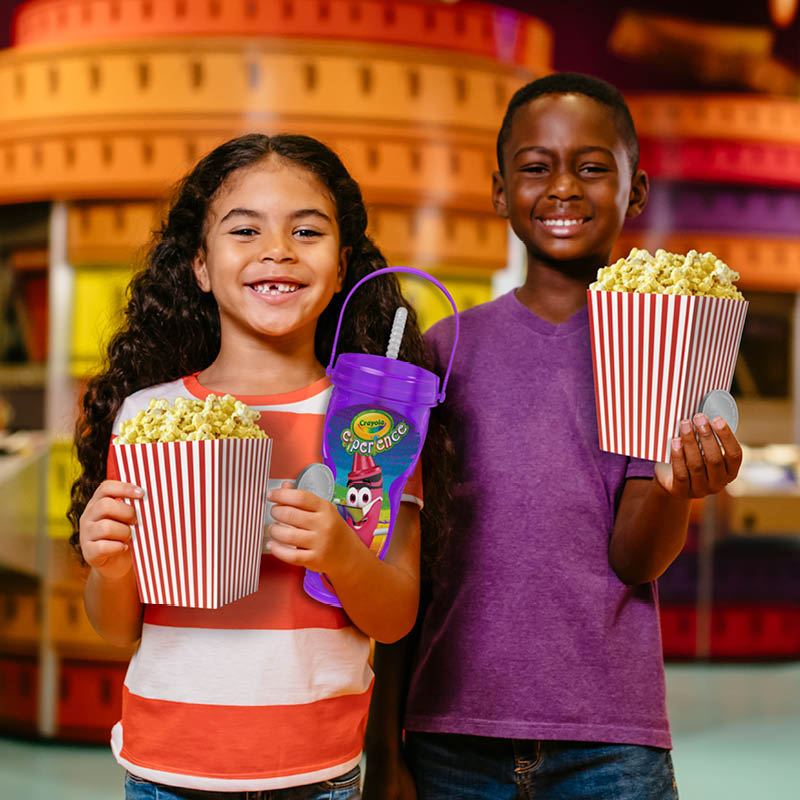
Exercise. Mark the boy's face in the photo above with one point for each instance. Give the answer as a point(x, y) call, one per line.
point(567, 186)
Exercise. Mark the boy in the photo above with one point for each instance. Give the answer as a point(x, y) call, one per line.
point(538, 672)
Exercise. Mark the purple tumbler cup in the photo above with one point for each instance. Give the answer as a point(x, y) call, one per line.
point(375, 427)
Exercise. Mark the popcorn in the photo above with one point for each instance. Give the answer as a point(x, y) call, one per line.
point(191, 420)
point(670, 273)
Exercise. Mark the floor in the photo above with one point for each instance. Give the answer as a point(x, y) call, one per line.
point(736, 732)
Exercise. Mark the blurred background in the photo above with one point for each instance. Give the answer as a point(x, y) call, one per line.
point(104, 104)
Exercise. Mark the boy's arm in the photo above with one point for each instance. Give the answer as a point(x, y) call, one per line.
point(652, 517)
point(387, 775)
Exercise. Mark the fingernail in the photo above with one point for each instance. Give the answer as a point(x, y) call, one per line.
point(138, 492)
point(676, 445)
point(686, 426)
point(701, 422)
point(268, 546)
point(718, 423)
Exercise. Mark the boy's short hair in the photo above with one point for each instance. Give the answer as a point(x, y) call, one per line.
point(574, 83)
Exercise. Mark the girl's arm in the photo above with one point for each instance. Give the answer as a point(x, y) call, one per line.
point(652, 518)
point(380, 597)
point(111, 596)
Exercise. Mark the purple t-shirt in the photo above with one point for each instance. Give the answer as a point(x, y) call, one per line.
point(529, 633)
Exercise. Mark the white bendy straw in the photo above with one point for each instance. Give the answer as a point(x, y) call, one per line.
point(396, 336)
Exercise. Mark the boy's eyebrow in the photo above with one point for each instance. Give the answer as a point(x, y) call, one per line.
point(548, 152)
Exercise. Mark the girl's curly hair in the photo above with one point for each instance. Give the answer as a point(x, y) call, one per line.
point(172, 329)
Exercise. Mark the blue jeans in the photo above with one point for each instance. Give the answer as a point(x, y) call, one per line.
point(345, 787)
point(447, 766)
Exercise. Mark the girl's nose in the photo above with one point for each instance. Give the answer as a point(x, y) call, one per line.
point(277, 249)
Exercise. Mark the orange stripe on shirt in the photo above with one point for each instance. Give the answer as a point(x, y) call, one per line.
point(174, 737)
point(296, 441)
point(279, 604)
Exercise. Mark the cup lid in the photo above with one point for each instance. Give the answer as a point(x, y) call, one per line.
point(386, 378)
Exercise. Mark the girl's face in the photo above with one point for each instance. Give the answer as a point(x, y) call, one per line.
point(272, 257)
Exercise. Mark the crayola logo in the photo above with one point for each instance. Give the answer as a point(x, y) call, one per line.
point(369, 425)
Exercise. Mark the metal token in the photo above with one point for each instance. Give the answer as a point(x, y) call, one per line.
point(317, 479)
point(719, 403)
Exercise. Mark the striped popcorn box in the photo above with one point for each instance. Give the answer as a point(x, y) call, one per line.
point(201, 520)
point(654, 357)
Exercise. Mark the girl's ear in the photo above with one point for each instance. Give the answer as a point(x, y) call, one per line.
point(200, 269)
point(640, 186)
point(499, 195)
point(344, 256)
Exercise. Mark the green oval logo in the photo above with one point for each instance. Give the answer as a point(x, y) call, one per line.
point(369, 425)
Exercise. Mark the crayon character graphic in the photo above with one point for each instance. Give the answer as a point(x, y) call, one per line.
point(362, 505)
point(361, 508)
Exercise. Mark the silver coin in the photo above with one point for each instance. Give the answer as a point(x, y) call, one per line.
point(316, 478)
point(719, 403)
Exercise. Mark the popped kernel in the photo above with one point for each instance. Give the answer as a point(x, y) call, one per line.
point(190, 420)
point(669, 273)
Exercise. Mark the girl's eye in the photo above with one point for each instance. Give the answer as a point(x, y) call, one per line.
point(364, 497)
point(307, 233)
point(352, 496)
point(245, 232)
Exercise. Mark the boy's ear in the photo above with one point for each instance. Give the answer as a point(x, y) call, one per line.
point(499, 195)
point(344, 256)
point(640, 186)
point(200, 269)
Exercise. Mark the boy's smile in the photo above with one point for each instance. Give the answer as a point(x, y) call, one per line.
point(567, 184)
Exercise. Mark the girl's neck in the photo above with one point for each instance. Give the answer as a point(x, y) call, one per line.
point(555, 294)
point(245, 366)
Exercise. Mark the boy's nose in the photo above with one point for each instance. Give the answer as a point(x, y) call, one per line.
point(564, 186)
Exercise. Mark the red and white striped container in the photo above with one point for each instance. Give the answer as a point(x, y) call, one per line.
point(655, 356)
point(201, 520)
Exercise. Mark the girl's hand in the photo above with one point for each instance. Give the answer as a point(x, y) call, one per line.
point(105, 528)
point(309, 531)
point(692, 473)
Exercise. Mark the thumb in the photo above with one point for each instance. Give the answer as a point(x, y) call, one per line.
point(663, 474)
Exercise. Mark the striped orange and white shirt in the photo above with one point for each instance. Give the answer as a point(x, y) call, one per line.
point(267, 692)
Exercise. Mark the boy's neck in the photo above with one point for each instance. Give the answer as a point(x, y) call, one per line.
point(553, 293)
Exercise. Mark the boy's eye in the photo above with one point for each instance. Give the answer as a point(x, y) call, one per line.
point(594, 168)
point(535, 169)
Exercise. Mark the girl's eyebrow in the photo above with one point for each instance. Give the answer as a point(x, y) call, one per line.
point(311, 212)
point(242, 212)
point(253, 214)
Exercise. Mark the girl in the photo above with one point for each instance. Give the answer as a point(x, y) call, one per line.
point(241, 294)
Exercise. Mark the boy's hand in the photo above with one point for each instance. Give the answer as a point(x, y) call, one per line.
point(384, 783)
point(105, 528)
point(696, 473)
point(309, 531)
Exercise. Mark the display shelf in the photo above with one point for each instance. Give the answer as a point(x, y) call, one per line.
point(14, 376)
point(475, 29)
point(22, 481)
point(722, 161)
point(737, 116)
point(727, 209)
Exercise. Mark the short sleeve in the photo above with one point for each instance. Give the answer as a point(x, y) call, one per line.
point(639, 468)
point(412, 491)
